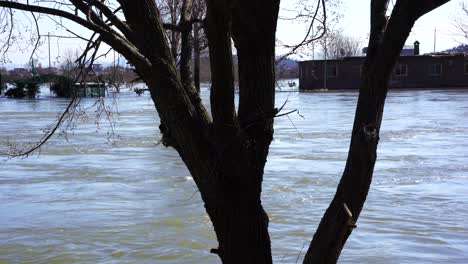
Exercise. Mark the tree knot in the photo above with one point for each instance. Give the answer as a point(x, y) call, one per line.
point(249, 143)
point(167, 139)
point(214, 251)
point(370, 131)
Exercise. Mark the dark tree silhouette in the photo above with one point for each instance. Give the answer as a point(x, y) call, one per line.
point(387, 38)
point(226, 154)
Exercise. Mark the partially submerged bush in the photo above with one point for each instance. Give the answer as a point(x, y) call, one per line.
point(15, 92)
point(32, 89)
point(22, 89)
point(63, 86)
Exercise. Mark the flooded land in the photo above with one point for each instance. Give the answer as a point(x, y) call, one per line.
point(103, 196)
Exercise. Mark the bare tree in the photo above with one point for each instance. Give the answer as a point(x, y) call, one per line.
point(199, 39)
point(170, 11)
point(461, 23)
point(316, 18)
point(183, 20)
point(389, 31)
point(69, 65)
point(337, 45)
point(115, 75)
point(226, 155)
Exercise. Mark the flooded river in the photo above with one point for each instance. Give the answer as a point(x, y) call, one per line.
point(94, 197)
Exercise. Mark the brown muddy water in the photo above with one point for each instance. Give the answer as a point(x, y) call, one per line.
point(85, 200)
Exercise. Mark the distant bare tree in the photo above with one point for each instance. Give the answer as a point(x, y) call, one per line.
point(68, 65)
point(183, 21)
point(199, 39)
point(337, 45)
point(170, 13)
point(350, 46)
point(461, 23)
point(316, 17)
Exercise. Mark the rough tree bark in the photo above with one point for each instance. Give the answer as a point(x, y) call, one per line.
point(196, 56)
point(387, 37)
point(242, 143)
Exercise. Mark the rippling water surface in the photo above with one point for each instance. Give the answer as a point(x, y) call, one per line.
point(85, 200)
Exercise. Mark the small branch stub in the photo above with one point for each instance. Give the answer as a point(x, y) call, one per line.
point(347, 210)
point(351, 222)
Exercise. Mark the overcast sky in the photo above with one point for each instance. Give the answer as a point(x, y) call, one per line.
point(355, 22)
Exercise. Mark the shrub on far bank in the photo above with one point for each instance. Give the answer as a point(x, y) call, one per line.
point(22, 89)
point(63, 86)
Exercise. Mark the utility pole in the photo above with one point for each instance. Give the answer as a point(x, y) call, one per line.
point(48, 38)
point(325, 64)
point(435, 38)
point(49, 71)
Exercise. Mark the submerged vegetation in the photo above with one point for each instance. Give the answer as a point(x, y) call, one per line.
point(63, 86)
point(23, 88)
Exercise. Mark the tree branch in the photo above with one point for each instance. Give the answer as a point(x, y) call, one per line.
point(114, 40)
point(113, 18)
point(306, 41)
point(172, 27)
point(54, 12)
point(386, 42)
point(222, 72)
point(181, 27)
point(185, 123)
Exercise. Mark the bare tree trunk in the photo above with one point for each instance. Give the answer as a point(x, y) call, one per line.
point(240, 223)
point(222, 73)
point(385, 43)
point(225, 160)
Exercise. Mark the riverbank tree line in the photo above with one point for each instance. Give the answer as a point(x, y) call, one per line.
point(118, 76)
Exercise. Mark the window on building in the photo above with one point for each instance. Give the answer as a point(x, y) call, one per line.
point(466, 67)
point(332, 70)
point(435, 69)
point(401, 70)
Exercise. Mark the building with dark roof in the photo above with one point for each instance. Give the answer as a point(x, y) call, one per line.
point(437, 70)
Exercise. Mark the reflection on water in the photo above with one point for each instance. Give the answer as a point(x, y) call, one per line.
point(83, 200)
